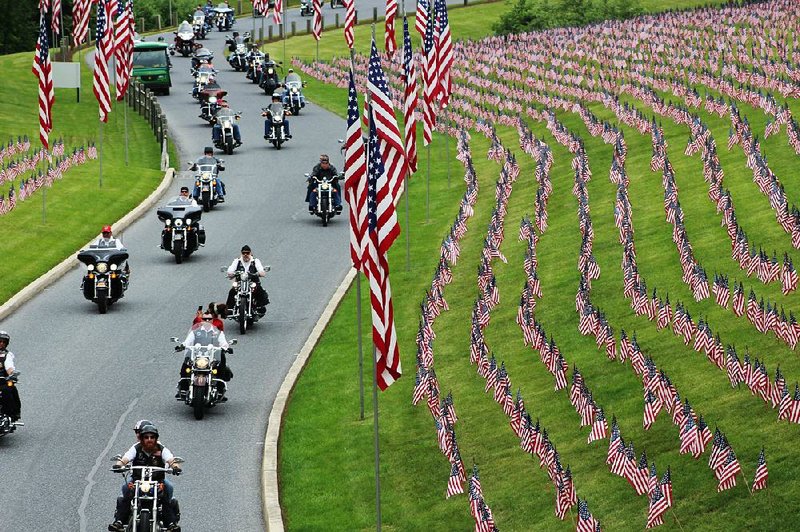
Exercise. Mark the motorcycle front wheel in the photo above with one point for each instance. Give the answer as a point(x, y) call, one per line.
point(102, 301)
point(242, 319)
point(177, 250)
point(229, 147)
point(197, 404)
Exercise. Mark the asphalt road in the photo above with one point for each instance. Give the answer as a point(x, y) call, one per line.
point(86, 377)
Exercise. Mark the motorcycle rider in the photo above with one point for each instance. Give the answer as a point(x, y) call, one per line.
point(246, 262)
point(9, 396)
point(323, 170)
point(216, 131)
point(278, 106)
point(184, 197)
point(107, 240)
point(137, 429)
point(205, 333)
point(208, 158)
point(148, 452)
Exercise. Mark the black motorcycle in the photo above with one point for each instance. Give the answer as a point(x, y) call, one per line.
point(182, 234)
point(254, 61)
point(238, 51)
point(274, 124)
point(146, 503)
point(225, 119)
point(105, 281)
point(199, 57)
point(244, 308)
point(306, 8)
point(325, 185)
point(202, 386)
point(7, 384)
point(269, 80)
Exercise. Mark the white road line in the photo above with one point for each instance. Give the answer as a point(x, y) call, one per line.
point(97, 463)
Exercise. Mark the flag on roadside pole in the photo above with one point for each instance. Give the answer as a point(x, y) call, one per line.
point(390, 42)
point(42, 69)
point(355, 178)
point(81, 10)
point(316, 25)
point(421, 18)
point(430, 84)
point(123, 46)
point(444, 51)
point(103, 51)
point(349, 22)
point(410, 100)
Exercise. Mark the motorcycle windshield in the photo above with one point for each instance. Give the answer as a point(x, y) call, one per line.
point(206, 169)
point(205, 334)
point(225, 114)
point(185, 27)
point(199, 17)
point(180, 209)
point(203, 53)
point(293, 80)
point(276, 110)
point(93, 255)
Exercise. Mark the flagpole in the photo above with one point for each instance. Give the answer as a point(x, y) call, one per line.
point(125, 115)
point(447, 156)
point(283, 28)
point(100, 152)
point(358, 294)
point(375, 375)
point(428, 185)
point(671, 509)
point(408, 223)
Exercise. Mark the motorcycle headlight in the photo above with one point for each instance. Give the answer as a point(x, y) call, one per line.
point(325, 186)
point(206, 176)
point(178, 223)
point(189, 221)
point(114, 267)
point(201, 363)
point(212, 99)
point(102, 267)
point(270, 71)
point(252, 285)
point(294, 89)
point(226, 123)
point(235, 284)
point(167, 222)
point(90, 267)
point(146, 486)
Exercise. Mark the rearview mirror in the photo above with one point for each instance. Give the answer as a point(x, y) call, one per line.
point(223, 269)
point(178, 460)
point(234, 341)
point(116, 458)
point(174, 339)
point(267, 268)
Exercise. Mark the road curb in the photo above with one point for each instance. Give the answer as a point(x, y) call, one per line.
point(273, 518)
point(39, 284)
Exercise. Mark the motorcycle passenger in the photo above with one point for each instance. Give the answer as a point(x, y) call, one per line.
point(10, 404)
point(107, 240)
point(323, 170)
point(246, 262)
point(216, 131)
point(148, 452)
point(208, 158)
point(205, 333)
point(137, 429)
point(216, 310)
point(275, 106)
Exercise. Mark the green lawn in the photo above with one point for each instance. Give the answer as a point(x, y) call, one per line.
point(76, 206)
point(326, 452)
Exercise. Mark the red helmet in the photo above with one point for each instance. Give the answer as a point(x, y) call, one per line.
point(106, 229)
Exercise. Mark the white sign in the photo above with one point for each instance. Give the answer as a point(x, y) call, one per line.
point(66, 75)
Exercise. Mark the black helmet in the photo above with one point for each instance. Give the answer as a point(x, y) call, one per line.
point(208, 149)
point(148, 429)
point(137, 428)
point(5, 336)
point(235, 33)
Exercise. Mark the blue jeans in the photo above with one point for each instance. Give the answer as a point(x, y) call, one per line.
point(169, 489)
point(337, 200)
point(216, 133)
point(268, 127)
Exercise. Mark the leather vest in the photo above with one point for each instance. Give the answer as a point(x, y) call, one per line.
point(251, 269)
point(153, 460)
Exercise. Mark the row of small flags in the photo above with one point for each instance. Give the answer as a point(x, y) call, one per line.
point(58, 165)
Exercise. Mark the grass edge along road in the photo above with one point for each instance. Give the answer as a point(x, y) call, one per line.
point(334, 484)
point(76, 206)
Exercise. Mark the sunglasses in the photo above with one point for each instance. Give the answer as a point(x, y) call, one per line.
point(148, 437)
point(208, 318)
point(245, 252)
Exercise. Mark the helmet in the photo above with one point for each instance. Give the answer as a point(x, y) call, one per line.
point(208, 149)
point(277, 95)
point(106, 229)
point(137, 428)
point(148, 429)
point(290, 71)
point(5, 336)
point(246, 248)
point(235, 33)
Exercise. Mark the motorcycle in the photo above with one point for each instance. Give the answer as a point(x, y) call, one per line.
point(225, 118)
point(325, 209)
point(205, 186)
point(238, 57)
point(210, 102)
point(337, 3)
point(184, 40)
point(202, 387)
point(224, 18)
point(269, 77)
point(6, 383)
point(306, 8)
point(146, 506)
point(244, 285)
point(205, 78)
point(293, 99)
point(182, 234)
point(254, 61)
point(275, 117)
point(105, 282)
point(200, 56)
point(199, 25)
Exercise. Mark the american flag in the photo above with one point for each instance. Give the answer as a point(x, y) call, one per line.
point(728, 471)
point(43, 71)
point(390, 42)
point(277, 11)
point(355, 183)
point(760, 480)
point(123, 46)
point(431, 83)
point(316, 25)
point(444, 51)
point(454, 483)
point(81, 10)
point(658, 505)
point(409, 100)
point(103, 51)
point(586, 523)
point(392, 151)
point(349, 22)
point(421, 18)
point(56, 18)
point(382, 229)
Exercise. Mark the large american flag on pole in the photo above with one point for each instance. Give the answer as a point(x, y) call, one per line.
point(382, 229)
point(43, 71)
point(409, 100)
point(316, 25)
point(444, 50)
point(355, 178)
point(55, 21)
point(392, 151)
point(349, 22)
point(388, 34)
point(421, 18)
point(81, 10)
point(431, 84)
point(123, 46)
point(103, 51)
